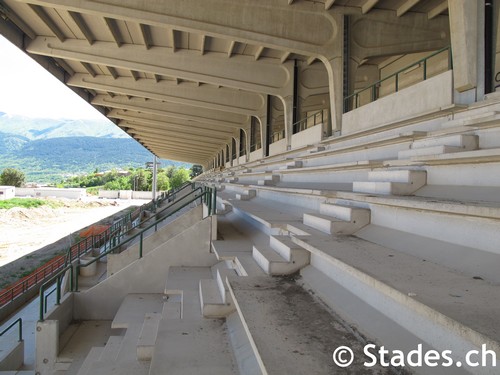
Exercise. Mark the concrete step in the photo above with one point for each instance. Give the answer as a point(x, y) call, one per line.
point(355, 215)
point(147, 338)
point(434, 150)
point(212, 302)
point(193, 346)
point(419, 295)
point(330, 225)
point(269, 180)
point(392, 182)
point(484, 118)
point(464, 141)
point(246, 195)
point(385, 188)
point(405, 176)
point(274, 264)
point(292, 165)
point(111, 350)
point(287, 249)
point(92, 357)
point(172, 305)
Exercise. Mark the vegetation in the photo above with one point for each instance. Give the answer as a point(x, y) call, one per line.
point(28, 203)
point(12, 177)
point(137, 179)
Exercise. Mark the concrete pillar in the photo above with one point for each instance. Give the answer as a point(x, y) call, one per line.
point(288, 111)
point(47, 346)
point(467, 42)
point(238, 149)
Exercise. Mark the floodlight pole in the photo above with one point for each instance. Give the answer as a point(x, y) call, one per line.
point(155, 162)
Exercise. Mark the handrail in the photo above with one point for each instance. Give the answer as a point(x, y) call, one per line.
point(20, 332)
point(278, 135)
point(209, 196)
point(373, 87)
point(57, 277)
point(302, 124)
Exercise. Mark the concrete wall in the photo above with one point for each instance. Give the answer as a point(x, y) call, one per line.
point(148, 274)
point(256, 155)
point(277, 147)
point(426, 96)
point(116, 262)
point(309, 136)
point(7, 192)
point(126, 194)
point(51, 192)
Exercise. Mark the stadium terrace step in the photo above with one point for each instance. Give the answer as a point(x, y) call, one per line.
point(274, 263)
point(147, 338)
point(177, 341)
point(338, 219)
point(441, 145)
point(93, 356)
point(215, 300)
point(246, 195)
point(269, 180)
point(392, 182)
point(481, 119)
point(292, 165)
point(418, 295)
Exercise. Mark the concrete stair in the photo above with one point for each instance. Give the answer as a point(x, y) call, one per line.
point(441, 145)
point(392, 182)
point(246, 195)
point(269, 180)
point(215, 300)
point(292, 165)
point(281, 257)
point(147, 339)
point(338, 219)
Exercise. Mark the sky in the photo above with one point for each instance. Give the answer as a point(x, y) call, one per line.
point(27, 89)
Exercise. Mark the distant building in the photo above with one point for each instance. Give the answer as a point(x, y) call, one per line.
point(7, 192)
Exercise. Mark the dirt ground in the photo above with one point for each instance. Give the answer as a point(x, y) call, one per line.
point(30, 237)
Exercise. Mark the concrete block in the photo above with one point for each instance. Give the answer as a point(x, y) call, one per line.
point(212, 302)
point(385, 188)
point(147, 338)
point(246, 195)
point(404, 176)
point(434, 150)
point(355, 215)
point(464, 141)
point(329, 224)
point(274, 264)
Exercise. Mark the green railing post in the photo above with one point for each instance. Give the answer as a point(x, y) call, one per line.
point(425, 70)
point(58, 290)
point(397, 82)
point(140, 245)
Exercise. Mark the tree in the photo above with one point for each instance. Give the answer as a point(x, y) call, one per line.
point(12, 177)
point(179, 177)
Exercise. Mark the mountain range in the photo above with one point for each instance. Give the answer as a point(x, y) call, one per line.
point(48, 150)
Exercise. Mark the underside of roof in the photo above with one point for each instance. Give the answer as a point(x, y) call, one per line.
point(184, 77)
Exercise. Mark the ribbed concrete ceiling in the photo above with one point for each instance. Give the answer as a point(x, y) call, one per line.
point(182, 77)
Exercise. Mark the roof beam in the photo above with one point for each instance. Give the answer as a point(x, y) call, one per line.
point(153, 140)
point(205, 96)
point(285, 57)
point(89, 69)
point(177, 136)
point(82, 26)
point(406, 6)
point(245, 22)
point(63, 64)
point(202, 116)
point(173, 39)
point(44, 17)
point(112, 71)
point(438, 9)
point(267, 76)
point(368, 5)
point(202, 44)
point(113, 29)
point(156, 131)
point(13, 17)
point(258, 53)
point(230, 49)
point(146, 35)
point(329, 4)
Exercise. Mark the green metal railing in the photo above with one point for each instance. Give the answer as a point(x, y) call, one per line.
point(317, 118)
point(208, 196)
point(58, 278)
point(278, 135)
point(20, 331)
point(373, 88)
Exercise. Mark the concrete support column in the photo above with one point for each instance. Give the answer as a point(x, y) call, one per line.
point(288, 111)
point(238, 149)
point(467, 42)
point(231, 152)
point(47, 346)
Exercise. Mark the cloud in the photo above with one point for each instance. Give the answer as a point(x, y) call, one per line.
point(27, 89)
